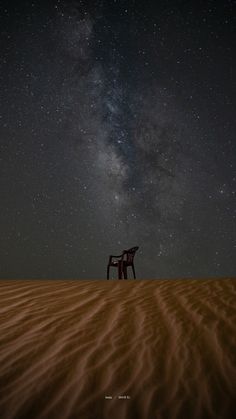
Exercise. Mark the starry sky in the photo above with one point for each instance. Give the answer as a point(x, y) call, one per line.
point(117, 129)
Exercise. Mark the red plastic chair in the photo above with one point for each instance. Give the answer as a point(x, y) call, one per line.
point(121, 262)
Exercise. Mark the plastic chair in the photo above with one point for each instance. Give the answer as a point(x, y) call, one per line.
point(122, 262)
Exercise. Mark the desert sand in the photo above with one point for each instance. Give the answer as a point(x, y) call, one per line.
point(118, 349)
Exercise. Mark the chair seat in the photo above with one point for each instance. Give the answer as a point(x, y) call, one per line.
point(114, 263)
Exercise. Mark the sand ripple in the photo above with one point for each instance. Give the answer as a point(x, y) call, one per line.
point(118, 349)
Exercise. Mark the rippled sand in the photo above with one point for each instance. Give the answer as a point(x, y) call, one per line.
point(161, 349)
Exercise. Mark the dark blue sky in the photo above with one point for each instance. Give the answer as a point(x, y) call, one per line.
point(117, 128)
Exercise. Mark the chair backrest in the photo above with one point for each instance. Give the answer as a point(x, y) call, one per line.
point(130, 253)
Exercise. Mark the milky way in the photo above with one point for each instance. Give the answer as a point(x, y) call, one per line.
point(116, 132)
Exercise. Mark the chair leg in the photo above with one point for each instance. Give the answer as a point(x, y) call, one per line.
point(125, 272)
point(119, 270)
point(108, 269)
point(133, 271)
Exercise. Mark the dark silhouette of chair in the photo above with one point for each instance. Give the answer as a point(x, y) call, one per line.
point(121, 262)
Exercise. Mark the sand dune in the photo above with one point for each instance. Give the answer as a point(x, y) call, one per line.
point(118, 349)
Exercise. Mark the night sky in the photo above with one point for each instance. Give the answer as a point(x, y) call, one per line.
point(117, 129)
